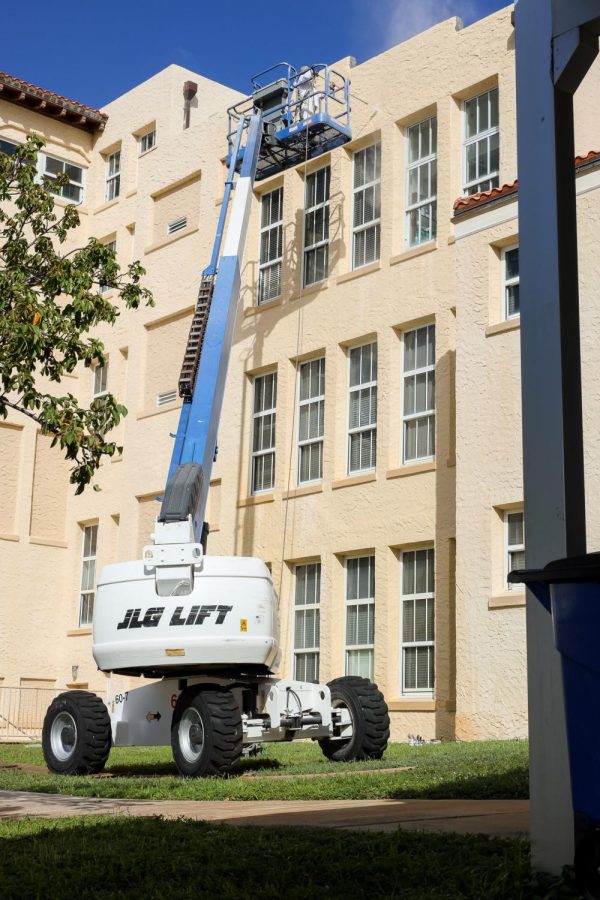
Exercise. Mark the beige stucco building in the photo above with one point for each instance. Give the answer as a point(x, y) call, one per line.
point(369, 448)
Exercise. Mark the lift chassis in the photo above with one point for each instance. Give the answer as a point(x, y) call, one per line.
point(210, 721)
point(205, 629)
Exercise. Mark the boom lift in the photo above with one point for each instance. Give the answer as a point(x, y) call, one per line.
point(207, 627)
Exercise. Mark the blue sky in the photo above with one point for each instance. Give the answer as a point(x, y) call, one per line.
point(93, 51)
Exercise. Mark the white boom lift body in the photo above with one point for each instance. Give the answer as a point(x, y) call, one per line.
point(205, 629)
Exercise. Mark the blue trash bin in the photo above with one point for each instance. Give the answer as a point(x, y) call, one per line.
point(570, 590)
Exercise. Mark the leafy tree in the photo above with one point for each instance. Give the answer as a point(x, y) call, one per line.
point(51, 301)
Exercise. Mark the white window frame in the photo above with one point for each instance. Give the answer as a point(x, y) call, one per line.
point(427, 415)
point(371, 426)
point(421, 164)
point(100, 384)
point(87, 591)
point(79, 185)
point(259, 453)
point(369, 601)
point(112, 188)
point(311, 442)
point(103, 288)
point(508, 283)
point(413, 597)
point(303, 653)
point(509, 549)
point(491, 178)
point(144, 140)
point(311, 211)
point(374, 223)
point(268, 264)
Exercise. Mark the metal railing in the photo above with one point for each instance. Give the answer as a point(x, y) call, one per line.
point(22, 711)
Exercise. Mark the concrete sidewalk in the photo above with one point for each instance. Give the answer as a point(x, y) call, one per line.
point(493, 817)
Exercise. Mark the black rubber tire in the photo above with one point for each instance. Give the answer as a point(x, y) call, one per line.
point(587, 865)
point(92, 739)
point(370, 720)
point(221, 722)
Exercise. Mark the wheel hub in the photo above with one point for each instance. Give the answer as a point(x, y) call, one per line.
point(196, 735)
point(63, 736)
point(191, 735)
point(68, 736)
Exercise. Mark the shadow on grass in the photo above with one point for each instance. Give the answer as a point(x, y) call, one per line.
point(246, 766)
point(508, 785)
point(153, 858)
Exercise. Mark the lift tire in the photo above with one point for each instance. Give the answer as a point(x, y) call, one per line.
point(76, 734)
point(370, 720)
point(587, 865)
point(206, 733)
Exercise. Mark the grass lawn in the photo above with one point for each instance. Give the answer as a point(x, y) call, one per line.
point(478, 770)
point(100, 858)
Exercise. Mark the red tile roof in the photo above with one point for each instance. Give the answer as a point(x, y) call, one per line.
point(47, 103)
point(507, 191)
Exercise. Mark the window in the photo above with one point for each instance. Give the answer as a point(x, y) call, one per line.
point(147, 142)
point(271, 246)
point(510, 283)
point(362, 419)
point(7, 147)
point(177, 225)
point(367, 206)
point(419, 394)
point(316, 226)
point(360, 615)
point(307, 622)
point(481, 143)
point(421, 178)
point(113, 176)
point(263, 433)
point(88, 575)
point(310, 420)
point(103, 286)
point(418, 621)
point(515, 543)
point(51, 167)
point(100, 380)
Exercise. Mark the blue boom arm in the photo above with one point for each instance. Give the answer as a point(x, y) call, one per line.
point(202, 383)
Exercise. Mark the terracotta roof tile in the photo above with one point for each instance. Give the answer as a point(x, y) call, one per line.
point(15, 90)
point(505, 191)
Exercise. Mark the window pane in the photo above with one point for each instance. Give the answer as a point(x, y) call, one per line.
point(511, 263)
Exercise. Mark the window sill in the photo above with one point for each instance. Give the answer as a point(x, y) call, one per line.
point(411, 469)
point(170, 239)
point(48, 542)
point(419, 250)
point(501, 327)
point(108, 205)
point(255, 501)
point(358, 273)
point(311, 289)
point(507, 601)
point(131, 193)
point(353, 479)
point(303, 491)
point(9, 537)
point(79, 632)
point(168, 407)
point(270, 304)
point(417, 704)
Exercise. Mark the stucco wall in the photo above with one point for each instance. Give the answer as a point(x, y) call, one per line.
point(453, 503)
